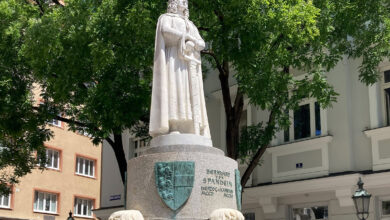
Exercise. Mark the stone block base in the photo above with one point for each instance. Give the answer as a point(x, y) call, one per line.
point(214, 184)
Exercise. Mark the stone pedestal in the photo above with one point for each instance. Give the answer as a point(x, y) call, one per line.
point(214, 181)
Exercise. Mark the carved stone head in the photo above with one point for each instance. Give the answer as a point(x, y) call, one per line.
point(174, 6)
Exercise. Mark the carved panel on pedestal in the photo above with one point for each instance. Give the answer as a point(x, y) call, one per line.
point(174, 182)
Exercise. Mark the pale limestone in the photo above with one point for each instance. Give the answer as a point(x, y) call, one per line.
point(178, 103)
point(142, 192)
point(183, 148)
point(180, 130)
point(226, 214)
point(180, 139)
point(126, 215)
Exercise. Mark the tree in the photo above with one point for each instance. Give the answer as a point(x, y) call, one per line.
point(22, 130)
point(92, 60)
point(93, 67)
point(260, 41)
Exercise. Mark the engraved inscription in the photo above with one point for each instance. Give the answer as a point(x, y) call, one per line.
point(217, 182)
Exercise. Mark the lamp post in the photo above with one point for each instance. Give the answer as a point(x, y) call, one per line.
point(361, 198)
point(70, 216)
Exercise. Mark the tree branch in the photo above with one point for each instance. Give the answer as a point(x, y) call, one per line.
point(226, 97)
point(58, 3)
point(203, 29)
point(219, 15)
point(42, 11)
point(66, 120)
point(256, 158)
point(110, 141)
point(69, 121)
point(238, 105)
point(268, 130)
point(217, 62)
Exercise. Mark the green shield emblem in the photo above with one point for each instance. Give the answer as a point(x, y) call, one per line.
point(174, 182)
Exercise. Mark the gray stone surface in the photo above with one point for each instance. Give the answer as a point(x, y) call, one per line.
point(180, 139)
point(214, 185)
point(183, 148)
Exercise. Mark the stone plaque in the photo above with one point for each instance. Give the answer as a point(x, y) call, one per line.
point(238, 189)
point(174, 181)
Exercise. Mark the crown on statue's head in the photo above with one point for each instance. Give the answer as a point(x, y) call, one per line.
point(172, 6)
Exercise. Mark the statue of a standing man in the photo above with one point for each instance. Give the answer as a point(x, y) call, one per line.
point(178, 103)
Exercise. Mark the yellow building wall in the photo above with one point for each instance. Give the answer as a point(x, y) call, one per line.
point(65, 182)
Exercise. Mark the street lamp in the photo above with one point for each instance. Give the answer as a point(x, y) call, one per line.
point(70, 216)
point(361, 199)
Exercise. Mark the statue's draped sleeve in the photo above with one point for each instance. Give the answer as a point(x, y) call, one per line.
point(159, 122)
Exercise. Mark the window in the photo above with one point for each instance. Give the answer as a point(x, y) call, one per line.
point(140, 145)
point(385, 212)
point(84, 133)
point(55, 122)
point(387, 104)
point(250, 216)
point(306, 122)
point(85, 167)
point(45, 202)
point(386, 90)
point(53, 159)
point(5, 201)
point(302, 122)
point(317, 212)
point(83, 207)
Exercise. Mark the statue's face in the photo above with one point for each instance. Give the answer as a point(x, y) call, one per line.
point(182, 5)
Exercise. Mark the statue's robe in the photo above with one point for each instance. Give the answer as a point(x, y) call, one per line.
point(171, 108)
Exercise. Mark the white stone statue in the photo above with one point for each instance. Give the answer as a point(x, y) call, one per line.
point(126, 215)
point(226, 214)
point(178, 103)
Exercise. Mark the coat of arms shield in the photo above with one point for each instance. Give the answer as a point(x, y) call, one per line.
point(174, 182)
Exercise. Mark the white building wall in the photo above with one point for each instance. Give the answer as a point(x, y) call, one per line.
point(349, 151)
point(112, 190)
point(338, 120)
point(346, 149)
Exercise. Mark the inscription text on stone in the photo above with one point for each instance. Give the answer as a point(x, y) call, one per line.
point(217, 182)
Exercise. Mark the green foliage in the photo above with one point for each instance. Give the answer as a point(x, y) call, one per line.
point(263, 40)
point(92, 61)
point(22, 130)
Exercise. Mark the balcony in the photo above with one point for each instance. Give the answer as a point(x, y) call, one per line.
point(380, 143)
point(301, 159)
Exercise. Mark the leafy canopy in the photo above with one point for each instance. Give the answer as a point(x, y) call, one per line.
point(263, 40)
point(22, 130)
point(92, 61)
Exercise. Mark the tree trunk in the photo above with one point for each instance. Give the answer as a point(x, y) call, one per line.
point(252, 165)
point(232, 138)
point(233, 113)
point(117, 146)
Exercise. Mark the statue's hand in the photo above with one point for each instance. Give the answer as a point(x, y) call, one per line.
point(190, 38)
point(190, 45)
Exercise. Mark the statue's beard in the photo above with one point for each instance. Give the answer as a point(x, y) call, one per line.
point(181, 10)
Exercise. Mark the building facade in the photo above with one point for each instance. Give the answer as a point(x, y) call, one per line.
point(71, 181)
point(311, 170)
